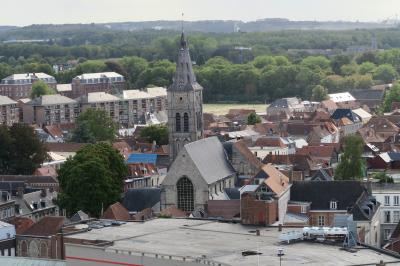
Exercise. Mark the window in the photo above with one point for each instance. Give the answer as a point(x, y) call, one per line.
point(396, 200)
point(386, 234)
point(185, 194)
point(386, 216)
point(178, 122)
point(321, 220)
point(303, 209)
point(186, 122)
point(333, 205)
point(387, 200)
point(396, 216)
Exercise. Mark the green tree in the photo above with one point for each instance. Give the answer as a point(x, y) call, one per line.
point(393, 95)
point(383, 177)
point(21, 151)
point(94, 125)
point(253, 119)
point(366, 68)
point(92, 179)
point(157, 133)
point(319, 93)
point(386, 73)
point(40, 88)
point(351, 166)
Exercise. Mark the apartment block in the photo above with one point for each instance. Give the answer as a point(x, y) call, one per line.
point(101, 101)
point(109, 82)
point(50, 110)
point(8, 111)
point(19, 86)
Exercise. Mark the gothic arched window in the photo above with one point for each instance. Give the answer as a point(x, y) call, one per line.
point(186, 122)
point(185, 194)
point(178, 122)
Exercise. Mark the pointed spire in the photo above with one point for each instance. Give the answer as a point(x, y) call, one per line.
point(184, 78)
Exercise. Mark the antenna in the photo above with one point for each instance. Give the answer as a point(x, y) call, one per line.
point(183, 15)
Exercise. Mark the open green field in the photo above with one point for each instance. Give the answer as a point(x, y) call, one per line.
point(222, 109)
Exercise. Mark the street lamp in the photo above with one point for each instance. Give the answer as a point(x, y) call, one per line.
point(280, 255)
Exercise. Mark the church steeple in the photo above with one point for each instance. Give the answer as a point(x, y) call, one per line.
point(184, 78)
point(185, 103)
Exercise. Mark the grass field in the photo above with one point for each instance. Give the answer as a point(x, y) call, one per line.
point(222, 109)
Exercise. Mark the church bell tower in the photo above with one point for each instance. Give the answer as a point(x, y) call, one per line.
point(185, 103)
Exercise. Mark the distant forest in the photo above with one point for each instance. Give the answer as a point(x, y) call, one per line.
point(269, 70)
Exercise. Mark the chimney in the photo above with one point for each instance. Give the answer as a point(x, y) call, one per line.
point(43, 193)
point(20, 192)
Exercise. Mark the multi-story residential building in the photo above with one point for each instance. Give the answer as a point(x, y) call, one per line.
point(19, 86)
point(135, 106)
point(109, 82)
point(101, 101)
point(50, 110)
point(7, 205)
point(388, 195)
point(9, 113)
point(158, 98)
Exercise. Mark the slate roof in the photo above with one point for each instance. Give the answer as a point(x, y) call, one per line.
point(210, 158)
point(368, 94)
point(321, 175)
point(284, 102)
point(47, 226)
point(79, 216)
point(136, 200)
point(98, 97)
point(242, 148)
point(232, 193)
point(351, 196)
point(348, 113)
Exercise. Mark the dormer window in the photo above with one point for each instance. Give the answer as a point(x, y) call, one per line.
point(333, 205)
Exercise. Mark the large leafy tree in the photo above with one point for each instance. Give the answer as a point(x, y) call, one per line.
point(40, 88)
point(94, 125)
point(386, 73)
point(319, 93)
point(92, 179)
point(157, 133)
point(21, 152)
point(253, 119)
point(351, 166)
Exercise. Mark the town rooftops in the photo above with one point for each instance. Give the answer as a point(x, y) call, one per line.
point(54, 99)
point(242, 148)
point(348, 113)
point(98, 97)
point(135, 94)
point(285, 103)
point(341, 97)
point(157, 91)
point(64, 87)
point(47, 226)
point(138, 199)
point(100, 75)
point(273, 178)
point(116, 211)
point(368, 94)
point(4, 100)
point(27, 78)
point(142, 158)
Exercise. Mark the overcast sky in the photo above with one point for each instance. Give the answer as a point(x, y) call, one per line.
point(26, 12)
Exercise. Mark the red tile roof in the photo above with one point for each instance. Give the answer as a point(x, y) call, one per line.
point(116, 211)
point(322, 151)
point(54, 131)
point(21, 224)
point(64, 147)
point(47, 226)
point(269, 142)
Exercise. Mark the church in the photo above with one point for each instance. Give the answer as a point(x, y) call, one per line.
point(200, 169)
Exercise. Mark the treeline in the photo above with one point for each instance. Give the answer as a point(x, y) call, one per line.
point(261, 80)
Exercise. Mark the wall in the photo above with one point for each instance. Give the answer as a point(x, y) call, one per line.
point(258, 212)
point(81, 255)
